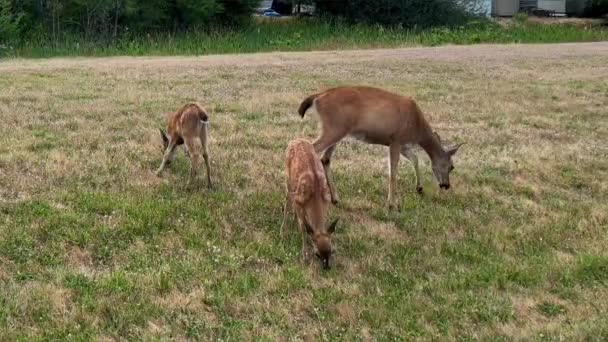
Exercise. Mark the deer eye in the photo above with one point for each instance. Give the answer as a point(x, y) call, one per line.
point(452, 168)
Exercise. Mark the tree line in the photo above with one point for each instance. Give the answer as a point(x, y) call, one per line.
point(22, 19)
point(92, 20)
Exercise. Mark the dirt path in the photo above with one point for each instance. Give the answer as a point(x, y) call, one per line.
point(471, 53)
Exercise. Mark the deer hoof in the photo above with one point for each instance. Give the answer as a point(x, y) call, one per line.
point(419, 190)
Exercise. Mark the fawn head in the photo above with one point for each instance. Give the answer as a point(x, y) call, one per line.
point(321, 239)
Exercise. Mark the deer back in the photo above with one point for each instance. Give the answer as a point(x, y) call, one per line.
point(186, 121)
point(306, 178)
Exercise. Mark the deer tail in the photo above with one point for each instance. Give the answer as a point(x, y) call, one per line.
point(306, 104)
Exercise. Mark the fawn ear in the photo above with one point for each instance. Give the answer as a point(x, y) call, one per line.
point(309, 229)
point(332, 226)
point(452, 151)
point(163, 136)
point(437, 136)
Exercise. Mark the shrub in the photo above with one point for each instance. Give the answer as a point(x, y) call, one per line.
point(10, 20)
point(520, 18)
point(412, 13)
point(236, 11)
point(96, 20)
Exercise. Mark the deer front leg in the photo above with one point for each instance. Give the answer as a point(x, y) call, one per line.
point(408, 153)
point(327, 143)
point(394, 152)
point(286, 209)
point(303, 232)
point(300, 216)
point(169, 153)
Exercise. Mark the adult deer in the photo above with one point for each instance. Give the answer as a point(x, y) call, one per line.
point(308, 194)
point(376, 116)
point(184, 127)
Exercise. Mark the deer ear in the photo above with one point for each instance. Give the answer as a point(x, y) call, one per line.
point(437, 136)
point(309, 229)
point(454, 149)
point(332, 226)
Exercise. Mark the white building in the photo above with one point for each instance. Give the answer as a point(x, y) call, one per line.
point(265, 4)
point(507, 8)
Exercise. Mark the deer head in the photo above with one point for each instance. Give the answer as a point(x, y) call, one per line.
point(321, 239)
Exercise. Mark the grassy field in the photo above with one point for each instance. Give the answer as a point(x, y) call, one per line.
point(94, 246)
point(306, 35)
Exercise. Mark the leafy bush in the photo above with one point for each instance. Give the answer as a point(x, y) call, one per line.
point(412, 13)
point(520, 18)
point(236, 11)
point(596, 8)
point(10, 20)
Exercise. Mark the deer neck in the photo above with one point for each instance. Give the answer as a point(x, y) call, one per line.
point(431, 145)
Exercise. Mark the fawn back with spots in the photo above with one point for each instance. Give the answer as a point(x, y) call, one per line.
point(185, 126)
point(308, 194)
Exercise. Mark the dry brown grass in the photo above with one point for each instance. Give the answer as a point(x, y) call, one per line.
point(108, 250)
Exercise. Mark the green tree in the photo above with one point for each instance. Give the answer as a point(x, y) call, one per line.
point(236, 12)
point(10, 19)
point(596, 8)
point(196, 13)
point(106, 19)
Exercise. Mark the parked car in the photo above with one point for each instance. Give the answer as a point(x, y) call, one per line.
point(270, 13)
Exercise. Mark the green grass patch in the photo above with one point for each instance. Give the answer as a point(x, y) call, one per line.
point(303, 35)
point(94, 246)
point(550, 309)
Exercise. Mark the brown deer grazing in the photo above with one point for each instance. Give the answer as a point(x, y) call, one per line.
point(184, 127)
point(376, 116)
point(308, 194)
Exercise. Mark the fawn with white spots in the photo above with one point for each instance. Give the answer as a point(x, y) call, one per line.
point(185, 126)
point(308, 195)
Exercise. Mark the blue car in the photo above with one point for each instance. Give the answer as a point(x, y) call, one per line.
point(270, 13)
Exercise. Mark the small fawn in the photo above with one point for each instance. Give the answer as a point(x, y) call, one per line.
point(308, 194)
point(184, 127)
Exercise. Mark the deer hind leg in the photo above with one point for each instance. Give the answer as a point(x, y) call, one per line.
point(326, 161)
point(194, 158)
point(167, 157)
point(204, 143)
point(394, 152)
point(409, 153)
point(327, 143)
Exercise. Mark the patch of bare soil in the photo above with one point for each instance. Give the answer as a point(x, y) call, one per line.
point(475, 53)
